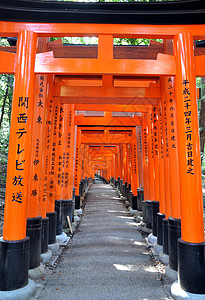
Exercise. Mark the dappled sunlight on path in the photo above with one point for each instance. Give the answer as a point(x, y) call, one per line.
point(107, 259)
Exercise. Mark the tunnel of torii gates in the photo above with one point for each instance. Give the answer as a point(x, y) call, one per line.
point(148, 136)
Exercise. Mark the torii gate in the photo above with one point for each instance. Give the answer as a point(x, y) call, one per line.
point(104, 153)
point(182, 65)
point(105, 138)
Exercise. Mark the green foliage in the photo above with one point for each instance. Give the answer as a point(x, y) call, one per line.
point(6, 84)
point(5, 80)
point(94, 41)
point(77, 40)
point(3, 42)
point(134, 42)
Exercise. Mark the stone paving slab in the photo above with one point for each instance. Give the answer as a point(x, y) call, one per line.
point(107, 257)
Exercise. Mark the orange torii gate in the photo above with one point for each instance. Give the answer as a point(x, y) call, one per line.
point(97, 120)
point(175, 212)
point(91, 156)
point(108, 120)
point(125, 168)
point(104, 153)
point(183, 66)
point(112, 136)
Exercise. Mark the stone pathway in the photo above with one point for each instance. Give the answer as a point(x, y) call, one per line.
point(107, 258)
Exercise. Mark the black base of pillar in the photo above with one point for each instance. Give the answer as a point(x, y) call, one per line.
point(139, 202)
point(160, 217)
point(133, 202)
point(77, 202)
point(130, 198)
point(73, 194)
point(33, 231)
point(165, 240)
point(191, 267)
point(129, 195)
point(58, 209)
point(67, 210)
point(73, 210)
point(155, 210)
point(144, 211)
point(44, 235)
point(140, 198)
point(125, 188)
point(120, 186)
point(128, 191)
point(80, 188)
point(174, 233)
point(52, 216)
point(149, 214)
point(14, 264)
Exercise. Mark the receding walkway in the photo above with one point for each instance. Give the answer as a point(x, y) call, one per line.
point(107, 259)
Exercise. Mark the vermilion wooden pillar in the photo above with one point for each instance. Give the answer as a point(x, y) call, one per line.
point(86, 162)
point(162, 223)
point(44, 174)
point(64, 173)
point(16, 200)
point(140, 156)
point(164, 215)
point(134, 165)
point(116, 165)
point(105, 174)
point(145, 156)
point(129, 164)
point(174, 222)
point(46, 147)
point(86, 169)
point(173, 148)
point(173, 206)
point(113, 166)
point(189, 152)
point(78, 166)
point(151, 158)
point(125, 165)
point(167, 211)
point(38, 143)
point(155, 122)
point(51, 186)
point(155, 205)
point(191, 245)
point(65, 163)
point(20, 136)
point(51, 144)
point(46, 191)
point(59, 152)
point(161, 164)
point(83, 160)
point(122, 151)
point(89, 168)
point(70, 149)
point(34, 219)
point(118, 162)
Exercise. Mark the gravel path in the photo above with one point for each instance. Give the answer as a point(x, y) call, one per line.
point(107, 258)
